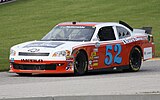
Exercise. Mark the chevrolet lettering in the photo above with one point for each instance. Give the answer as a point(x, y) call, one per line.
point(32, 60)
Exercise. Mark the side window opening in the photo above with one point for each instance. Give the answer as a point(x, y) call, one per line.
point(122, 32)
point(106, 33)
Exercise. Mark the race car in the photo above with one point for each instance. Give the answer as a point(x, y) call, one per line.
point(80, 47)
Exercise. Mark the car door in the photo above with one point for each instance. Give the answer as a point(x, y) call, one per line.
point(111, 50)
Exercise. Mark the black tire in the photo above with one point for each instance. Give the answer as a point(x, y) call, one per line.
point(80, 64)
point(24, 74)
point(135, 60)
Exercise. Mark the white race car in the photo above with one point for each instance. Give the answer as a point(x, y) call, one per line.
point(79, 47)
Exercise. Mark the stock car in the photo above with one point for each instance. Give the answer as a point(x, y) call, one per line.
point(80, 47)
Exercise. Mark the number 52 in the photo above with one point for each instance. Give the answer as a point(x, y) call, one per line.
point(117, 59)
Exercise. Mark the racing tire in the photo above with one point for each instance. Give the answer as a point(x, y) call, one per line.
point(80, 64)
point(24, 74)
point(135, 60)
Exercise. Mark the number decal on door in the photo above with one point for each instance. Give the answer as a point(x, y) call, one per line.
point(117, 59)
point(118, 49)
point(108, 60)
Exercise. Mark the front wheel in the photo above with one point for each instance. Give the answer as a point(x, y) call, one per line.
point(135, 60)
point(80, 64)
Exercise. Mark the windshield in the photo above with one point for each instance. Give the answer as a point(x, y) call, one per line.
point(70, 33)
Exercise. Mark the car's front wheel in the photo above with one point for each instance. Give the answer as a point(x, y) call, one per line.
point(80, 64)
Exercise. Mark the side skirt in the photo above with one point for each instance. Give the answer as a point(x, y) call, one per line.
point(119, 68)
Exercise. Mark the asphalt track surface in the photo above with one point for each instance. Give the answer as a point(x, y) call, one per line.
point(144, 82)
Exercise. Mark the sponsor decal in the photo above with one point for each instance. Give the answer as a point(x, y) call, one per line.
point(72, 27)
point(147, 52)
point(68, 58)
point(95, 50)
point(95, 64)
point(95, 61)
point(91, 58)
point(69, 66)
point(96, 57)
point(130, 40)
point(44, 44)
point(32, 60)
point(94, 54)
point(33, 50)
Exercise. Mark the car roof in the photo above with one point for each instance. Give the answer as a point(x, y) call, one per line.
point(87, 23)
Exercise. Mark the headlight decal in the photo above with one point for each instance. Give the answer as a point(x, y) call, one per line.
point(61, 53)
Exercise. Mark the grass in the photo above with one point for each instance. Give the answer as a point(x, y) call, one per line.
point(26, 20)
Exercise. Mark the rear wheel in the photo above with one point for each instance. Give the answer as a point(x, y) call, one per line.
point(135, 60)
point(80, 64)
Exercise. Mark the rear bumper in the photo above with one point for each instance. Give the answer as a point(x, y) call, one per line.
point(59, 67)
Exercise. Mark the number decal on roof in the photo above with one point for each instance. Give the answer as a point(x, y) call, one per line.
point(109, 56)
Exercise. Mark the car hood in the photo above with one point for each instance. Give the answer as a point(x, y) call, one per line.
point(45, 46)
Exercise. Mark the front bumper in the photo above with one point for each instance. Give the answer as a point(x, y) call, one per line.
point(47, 67)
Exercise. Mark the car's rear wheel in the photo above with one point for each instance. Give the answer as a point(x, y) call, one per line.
point(80, 64)
point(135, 59)
point(24, 74)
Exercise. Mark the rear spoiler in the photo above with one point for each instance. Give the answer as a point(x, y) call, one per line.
point(148, 30)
